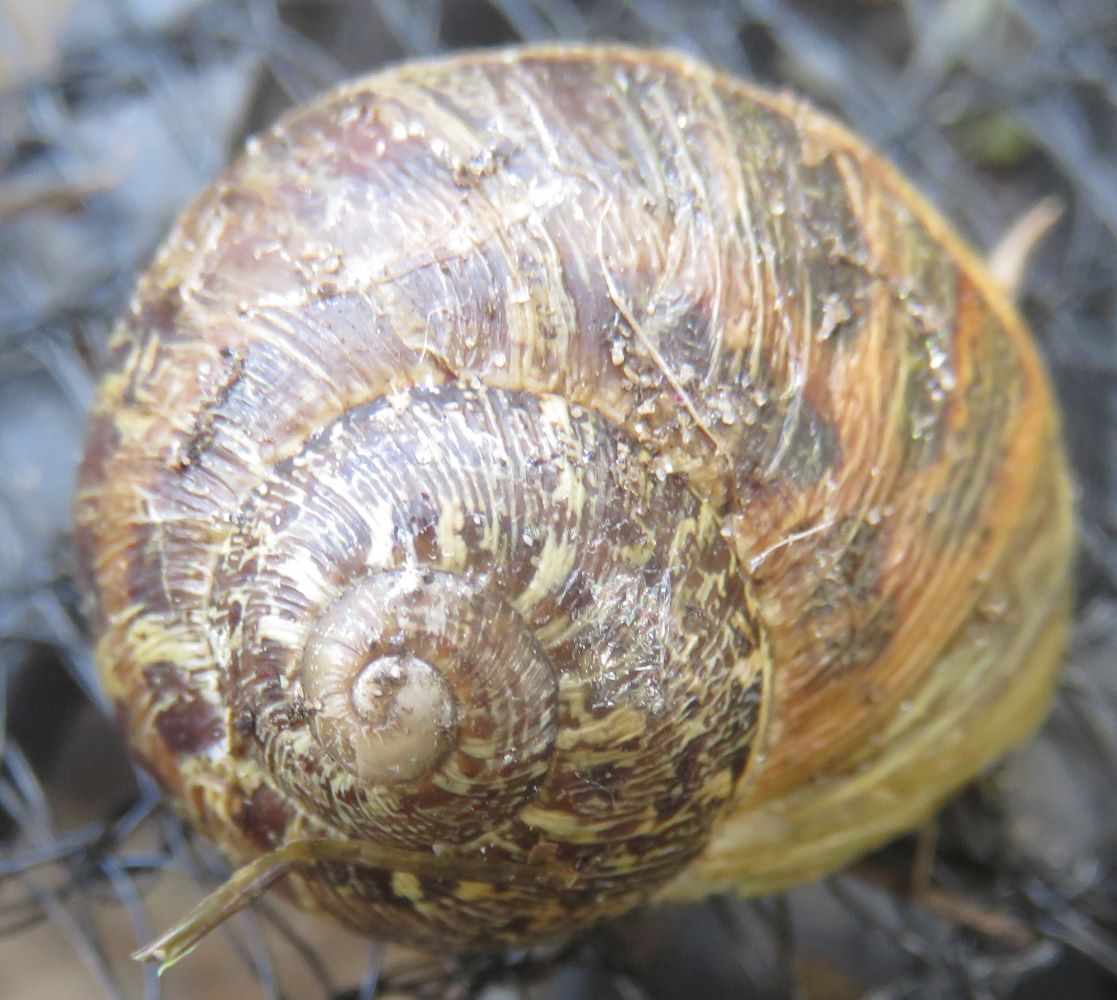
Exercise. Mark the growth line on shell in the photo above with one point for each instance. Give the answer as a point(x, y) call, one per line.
point(638, 330)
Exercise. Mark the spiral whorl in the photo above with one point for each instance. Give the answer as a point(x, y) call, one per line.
point(385, 715)
point(506, 445)
point(419, 603)
point(413, 674)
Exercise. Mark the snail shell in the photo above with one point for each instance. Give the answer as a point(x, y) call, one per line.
point(568, 459)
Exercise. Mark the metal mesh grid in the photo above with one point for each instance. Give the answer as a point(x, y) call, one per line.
point(114, 112)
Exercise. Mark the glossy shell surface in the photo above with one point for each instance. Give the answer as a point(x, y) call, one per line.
point(575, 458)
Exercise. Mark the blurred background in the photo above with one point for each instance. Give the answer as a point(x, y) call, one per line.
point(114, 113)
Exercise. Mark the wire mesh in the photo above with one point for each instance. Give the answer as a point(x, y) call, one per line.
point(113, 113)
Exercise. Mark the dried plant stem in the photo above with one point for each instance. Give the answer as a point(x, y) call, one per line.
point(253, 880)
